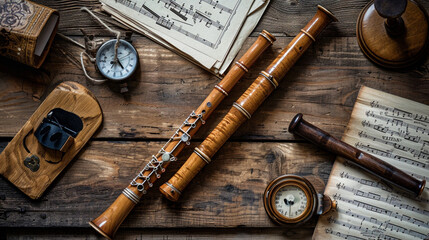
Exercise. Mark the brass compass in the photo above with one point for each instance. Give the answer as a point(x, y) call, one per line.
point(292, 200)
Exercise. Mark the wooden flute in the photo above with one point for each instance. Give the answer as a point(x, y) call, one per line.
point(364, 160)
point(247, 104)
point(109, 221)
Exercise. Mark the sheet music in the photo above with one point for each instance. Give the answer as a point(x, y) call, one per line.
point(204, 30)
point(393, 129)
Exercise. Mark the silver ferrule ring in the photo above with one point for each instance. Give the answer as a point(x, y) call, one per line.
point(266, 37)
point(131, 195)
point(242, 110)
point(308, 34)
point(270, 78)
point(242, 66)
point(202, 155)
point(172, 187)
point(221, 90)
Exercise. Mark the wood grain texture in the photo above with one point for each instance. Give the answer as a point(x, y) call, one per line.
point(323, 85)
point(103, 169)
point(156, 234)
point(109, 221)
point(70, 97)
point(247, 104)
point(393, 42)
point(282, 17)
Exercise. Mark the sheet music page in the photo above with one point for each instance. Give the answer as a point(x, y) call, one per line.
point(395, 130)
point(193, 26)
point(255, 14)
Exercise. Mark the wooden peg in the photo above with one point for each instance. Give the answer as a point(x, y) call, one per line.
point(393, 33)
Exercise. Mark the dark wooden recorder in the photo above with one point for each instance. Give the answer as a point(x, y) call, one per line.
point(364, 160)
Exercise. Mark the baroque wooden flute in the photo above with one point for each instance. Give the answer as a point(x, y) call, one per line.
point(364, 160)
point(108, 222)
point(247, 104)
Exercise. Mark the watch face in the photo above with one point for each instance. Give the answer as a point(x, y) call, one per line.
point(117, 69)
point(290, 201)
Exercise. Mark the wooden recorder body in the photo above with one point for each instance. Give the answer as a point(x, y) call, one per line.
point(247, 104)
point(110, 220)
point(366, 161)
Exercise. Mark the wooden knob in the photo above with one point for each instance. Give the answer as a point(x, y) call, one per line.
point(392, 11)
point(390, 8)
point(393, 33)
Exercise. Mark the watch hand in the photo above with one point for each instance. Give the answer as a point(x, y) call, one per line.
point(114, 62)
point(290, 208)
point(124, 56)
point(120, 64)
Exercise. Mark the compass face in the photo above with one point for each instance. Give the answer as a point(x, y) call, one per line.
point(290, 200)
point(123, 67)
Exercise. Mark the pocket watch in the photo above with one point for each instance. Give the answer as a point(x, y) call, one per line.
point(292, 200)
point(121, 68)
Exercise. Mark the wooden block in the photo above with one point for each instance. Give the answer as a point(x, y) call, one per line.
point(32, 167)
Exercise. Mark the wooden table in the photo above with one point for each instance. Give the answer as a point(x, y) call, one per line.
point(225, 199)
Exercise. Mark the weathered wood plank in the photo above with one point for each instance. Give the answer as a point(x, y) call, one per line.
point(224, 201)
point(155, 234)
point(226, 194)
point(323, 85)
point(291, 14)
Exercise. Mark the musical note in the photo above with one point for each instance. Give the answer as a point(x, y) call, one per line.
point(164, 22)
point(179, 12)
point(344, 236)
point(398, 123)
point(182, 9)
point(382, 211)
point(405, 135)
point(421, 118)
point(395, 202)
point(220, 6)
point(385, 224)
point(368, 148)
point(203, 17)
point(367, 207)
point(150, 11)
point(400, 113)
point(393, 142)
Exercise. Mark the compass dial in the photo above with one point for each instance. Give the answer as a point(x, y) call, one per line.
point(117, 69)
point(290, 200)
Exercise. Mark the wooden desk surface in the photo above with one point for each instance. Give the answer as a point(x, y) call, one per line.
point(225, 199)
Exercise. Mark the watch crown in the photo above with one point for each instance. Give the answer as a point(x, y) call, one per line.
point(328, 204)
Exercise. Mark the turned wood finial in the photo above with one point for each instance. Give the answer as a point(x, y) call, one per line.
point(393, 33)
point(390, 8)
point(392, 11)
